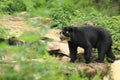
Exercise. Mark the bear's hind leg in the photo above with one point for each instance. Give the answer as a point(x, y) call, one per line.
point(110, 55)
point(101, 53)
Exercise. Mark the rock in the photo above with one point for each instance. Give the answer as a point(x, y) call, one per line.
point(88, 70)
point(63, 47)
point(64, 58)
point(92, 68)
point(36, 18)
point(115, 70)
point(53, 34)
point(23, 14)
point(89, 23)
point(12, 41)
point(17, 18)
point(17, 68)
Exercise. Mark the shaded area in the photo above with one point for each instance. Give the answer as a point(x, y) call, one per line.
point(11, 41)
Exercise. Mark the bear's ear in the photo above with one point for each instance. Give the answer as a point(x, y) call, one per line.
point(70, 29)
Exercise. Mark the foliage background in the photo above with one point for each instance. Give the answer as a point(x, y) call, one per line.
point(105, 13)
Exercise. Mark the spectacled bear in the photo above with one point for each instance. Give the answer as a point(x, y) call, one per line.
point(88, 37)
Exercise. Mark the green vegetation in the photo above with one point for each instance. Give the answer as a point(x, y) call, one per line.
point(21, 65)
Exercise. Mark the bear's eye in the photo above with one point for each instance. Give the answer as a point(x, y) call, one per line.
point(67, 34)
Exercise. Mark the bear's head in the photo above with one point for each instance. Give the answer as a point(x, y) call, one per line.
point(65, 33)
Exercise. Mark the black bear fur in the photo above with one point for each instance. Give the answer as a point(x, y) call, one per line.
point(88, 37)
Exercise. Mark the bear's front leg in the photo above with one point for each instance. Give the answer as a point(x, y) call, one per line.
point(73, 51)
point(87, 54)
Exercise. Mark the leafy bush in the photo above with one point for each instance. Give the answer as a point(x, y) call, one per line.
point(12, 6)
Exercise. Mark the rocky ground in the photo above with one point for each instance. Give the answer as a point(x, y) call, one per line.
point(17, 26)
point(91, 68)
